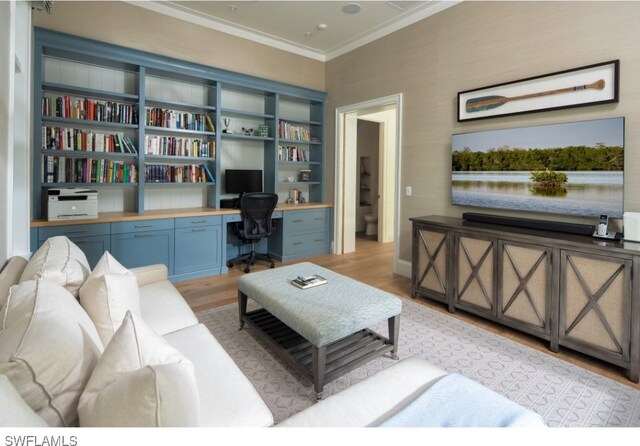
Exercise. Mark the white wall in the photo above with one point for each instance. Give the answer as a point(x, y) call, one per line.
point(15, 128)
point(7, 68)
point(22, 132)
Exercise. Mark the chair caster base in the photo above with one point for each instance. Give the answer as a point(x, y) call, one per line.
point(247, 270)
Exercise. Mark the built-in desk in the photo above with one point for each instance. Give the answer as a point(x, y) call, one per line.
point(191, 242)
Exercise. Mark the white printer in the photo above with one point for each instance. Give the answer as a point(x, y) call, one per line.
point(71, 204)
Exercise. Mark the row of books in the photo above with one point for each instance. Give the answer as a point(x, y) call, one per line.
point(164, 173)
point(89, 109)
point(58, 138)
point(292, 153)
point(59, 169)
point(173, 119)
point(170, 145)
point(294, 132)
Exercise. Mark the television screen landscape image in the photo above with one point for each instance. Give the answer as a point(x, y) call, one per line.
point(574, 168)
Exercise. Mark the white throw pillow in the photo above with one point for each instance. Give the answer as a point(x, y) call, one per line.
point(110, 291)
point(14, 412)
point(140, 381)
point(48, 349)
point(61, 261)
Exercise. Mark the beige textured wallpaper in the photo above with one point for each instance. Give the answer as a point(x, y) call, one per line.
point(130, 26)
point(475, 44)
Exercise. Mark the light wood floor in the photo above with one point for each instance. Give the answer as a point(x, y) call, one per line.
point(372, 264)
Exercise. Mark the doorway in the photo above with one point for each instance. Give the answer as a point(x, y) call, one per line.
point(385, 114)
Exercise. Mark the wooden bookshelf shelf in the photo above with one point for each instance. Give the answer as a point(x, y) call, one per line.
point(87, 123)
point(89, 154)
point(89, 92)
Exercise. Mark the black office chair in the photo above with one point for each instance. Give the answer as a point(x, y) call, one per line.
point(256, 210)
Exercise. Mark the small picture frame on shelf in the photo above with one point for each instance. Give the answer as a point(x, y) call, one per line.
point(304, 175)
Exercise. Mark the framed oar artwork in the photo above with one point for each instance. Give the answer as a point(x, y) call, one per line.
point(577, 87)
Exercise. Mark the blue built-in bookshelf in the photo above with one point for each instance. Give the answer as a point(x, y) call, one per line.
point(139, 127)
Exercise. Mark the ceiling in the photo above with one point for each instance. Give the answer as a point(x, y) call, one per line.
point(315, 29)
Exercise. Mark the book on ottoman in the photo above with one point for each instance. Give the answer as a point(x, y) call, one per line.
point(308, 281)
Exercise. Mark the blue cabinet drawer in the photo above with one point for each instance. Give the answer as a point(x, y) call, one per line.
point(233, 218)
point(309, 244)
point(144, 248)
point(305, 221)
point(198, 249)
point(72, 231)
point(193, 222)
point(141, 226)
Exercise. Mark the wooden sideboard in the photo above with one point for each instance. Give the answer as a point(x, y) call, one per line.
point(571, 290)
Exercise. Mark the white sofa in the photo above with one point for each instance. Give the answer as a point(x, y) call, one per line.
point(226, 397)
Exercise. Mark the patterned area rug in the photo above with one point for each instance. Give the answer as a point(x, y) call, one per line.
point(564, 394)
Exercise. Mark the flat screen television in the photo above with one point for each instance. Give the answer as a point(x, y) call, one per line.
point(240, 181)
point(574, 168)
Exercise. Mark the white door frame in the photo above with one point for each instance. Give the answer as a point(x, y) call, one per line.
point(394, 100)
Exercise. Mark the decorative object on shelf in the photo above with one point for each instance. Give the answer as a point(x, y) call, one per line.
point(304, 175)
point(226, 122)
point(290, 179)
point(588, 85)
point(263, 130)
point(295, 196)
point(247, 132)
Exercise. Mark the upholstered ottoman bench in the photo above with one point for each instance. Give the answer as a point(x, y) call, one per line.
point(320, 331)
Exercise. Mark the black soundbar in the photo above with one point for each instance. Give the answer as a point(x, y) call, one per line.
point(557, 226)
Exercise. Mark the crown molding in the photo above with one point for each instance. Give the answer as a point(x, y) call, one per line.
point(235, 30)
point(283, 44)
point(385, 30)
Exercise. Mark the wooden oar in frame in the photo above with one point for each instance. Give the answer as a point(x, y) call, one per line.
point(489, 102)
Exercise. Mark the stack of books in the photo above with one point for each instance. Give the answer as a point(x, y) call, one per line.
point(308, 281)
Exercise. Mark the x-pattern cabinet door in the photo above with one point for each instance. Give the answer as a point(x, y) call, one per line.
point(475, 284)
point(525, 286)
point(430, 262)
point(595, 305)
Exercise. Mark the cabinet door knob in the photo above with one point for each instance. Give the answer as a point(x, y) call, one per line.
point(143, 226)
point(143, 235)
point(199, 230)
point(297, 221)
point(198, 221)
point(297, 243)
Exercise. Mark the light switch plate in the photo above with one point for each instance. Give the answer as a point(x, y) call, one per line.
point(408, 191)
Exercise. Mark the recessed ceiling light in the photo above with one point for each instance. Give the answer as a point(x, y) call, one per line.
point(351, 8)
point(321, 26)
point(233, 7)
point(307, 34)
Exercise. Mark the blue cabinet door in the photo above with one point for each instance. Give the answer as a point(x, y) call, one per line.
point(93, 247)
point(144, 248)
point(198, 249)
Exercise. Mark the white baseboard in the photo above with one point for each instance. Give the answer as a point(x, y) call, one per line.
point(403, 267)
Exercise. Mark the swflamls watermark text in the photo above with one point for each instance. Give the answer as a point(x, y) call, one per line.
point(40, 440)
